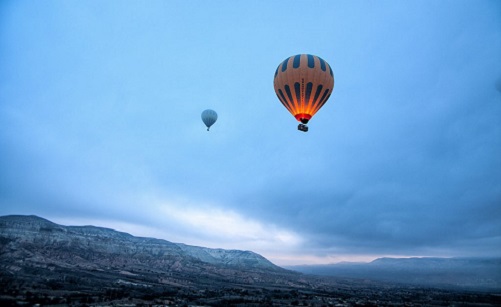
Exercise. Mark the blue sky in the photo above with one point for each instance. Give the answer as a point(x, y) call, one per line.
point(100, 124)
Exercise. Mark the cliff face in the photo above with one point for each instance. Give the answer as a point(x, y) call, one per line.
point(238, 258)
point(28, 242)
point(35, 239)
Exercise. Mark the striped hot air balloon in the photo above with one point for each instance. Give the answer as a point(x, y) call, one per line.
point(303, 83)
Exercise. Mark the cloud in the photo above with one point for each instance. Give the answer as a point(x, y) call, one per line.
point(100, 122)
point(220, 225)
point(202, 225)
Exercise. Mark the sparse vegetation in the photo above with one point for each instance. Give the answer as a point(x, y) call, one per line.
point(46, 288)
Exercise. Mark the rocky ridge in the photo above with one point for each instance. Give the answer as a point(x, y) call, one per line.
point(32, 237)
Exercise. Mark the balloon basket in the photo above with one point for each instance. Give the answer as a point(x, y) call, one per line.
point(302, 127)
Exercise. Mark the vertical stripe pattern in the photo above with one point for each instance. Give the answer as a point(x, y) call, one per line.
point(303, 84)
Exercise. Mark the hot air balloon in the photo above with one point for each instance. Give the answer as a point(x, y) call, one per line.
point(209, 117)
point(303, 83)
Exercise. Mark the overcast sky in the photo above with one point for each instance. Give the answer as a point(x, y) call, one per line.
point(100, 106)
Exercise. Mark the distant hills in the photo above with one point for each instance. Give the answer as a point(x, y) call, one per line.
point(49, 264)
point(473, 273)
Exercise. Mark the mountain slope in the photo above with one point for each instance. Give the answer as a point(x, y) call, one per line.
point(242, 259)
point(48, 236)
point(30, 244)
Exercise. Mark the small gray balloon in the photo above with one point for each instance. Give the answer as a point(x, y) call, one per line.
point(209, 117)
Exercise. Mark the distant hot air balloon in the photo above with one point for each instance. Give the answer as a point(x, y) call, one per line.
point(303, 83)
point(209, 117)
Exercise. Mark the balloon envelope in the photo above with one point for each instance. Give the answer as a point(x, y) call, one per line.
point(303, 83)
point(209, 117)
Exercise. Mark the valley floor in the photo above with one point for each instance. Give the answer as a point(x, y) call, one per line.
point(321, 292)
